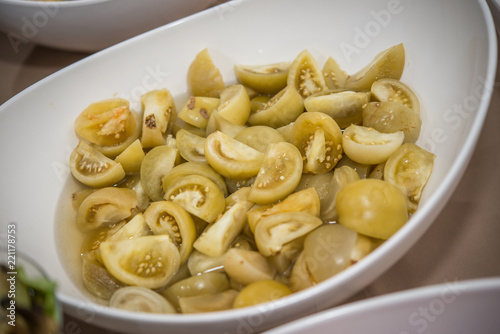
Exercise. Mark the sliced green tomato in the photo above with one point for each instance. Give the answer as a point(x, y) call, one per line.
point(92, 168)
point(372, 207)
point(259, 102)
point(305, 75)
point(342, 176)
point(180, 124)
point(217, 237)
point(344, 106)
point(131, 157)
point(261, 292)
point(280, 110)
point(287, 255)
point(230, 157)
point(234, 104)
point(259, 137)
point(377, 172)
point(265, 79)
point(306, 200)
point(155, 165)
point(327, 250)
point(387, 64)
point(368, 146)
point(335, 77)
point(198, 285)
point(165, 217)
point(300, 277)
point(134, 228)
point(159, 111)
point(219, 123)
point(208, 303)
point(198, 195)
point(362, 169)
point(204, 78)
point(133, 182)
point(199, 263)
point(93, 238)
point(195, 168)
point(191, 147)
point(198, 109)
point(392, 90)
point(148, 261)
point(106, 206)
point(97, 279)
point(234, 185)
point(237, 196)
point(320, 182)
point(319, 140)
point(78, 196)
point(410, 168)
point(364, 245)
point(389, 117)
point(286, 131)
point(139, 299)
point(247, 266)
point(112, 151)
point(279, 174)
point(106, 123)
point(272, 232)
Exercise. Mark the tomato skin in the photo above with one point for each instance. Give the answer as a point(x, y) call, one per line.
point(230, 157)
point(372, 207)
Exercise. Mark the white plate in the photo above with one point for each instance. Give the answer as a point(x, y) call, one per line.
point(459, 307)
point(450, 62)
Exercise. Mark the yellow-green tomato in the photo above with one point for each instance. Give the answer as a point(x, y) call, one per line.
point(372, 207)
point(261, 292)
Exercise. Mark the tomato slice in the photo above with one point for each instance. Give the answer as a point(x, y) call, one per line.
point(165, 217)
point(279, 174)
point(368, 146)
point(198, 195)
point(92, 168)
point(410, 168)
point(319, 140)
point(148, 261)
point(230, 157)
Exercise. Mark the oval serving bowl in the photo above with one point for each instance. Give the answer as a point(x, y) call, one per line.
point(450, 63)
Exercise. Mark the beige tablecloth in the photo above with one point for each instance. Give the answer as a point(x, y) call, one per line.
point(463, 243)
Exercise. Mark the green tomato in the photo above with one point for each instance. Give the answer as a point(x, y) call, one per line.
point(372, 207)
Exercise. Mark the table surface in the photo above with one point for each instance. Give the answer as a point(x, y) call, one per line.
point(463, 243)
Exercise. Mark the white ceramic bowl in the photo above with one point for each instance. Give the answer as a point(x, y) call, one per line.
point(459, 307)
point(88, 25)
point(450, 62)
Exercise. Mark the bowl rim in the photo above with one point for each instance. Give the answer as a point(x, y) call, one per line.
point(442, 193)
point(50, 4)
point(390, 301)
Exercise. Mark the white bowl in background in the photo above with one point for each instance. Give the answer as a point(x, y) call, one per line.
point(451, 55)
point(88, 25)
point(459, 307)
